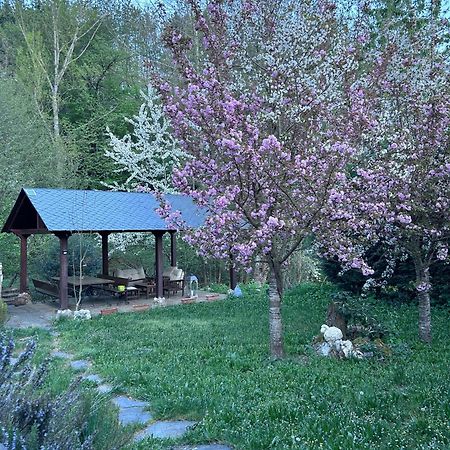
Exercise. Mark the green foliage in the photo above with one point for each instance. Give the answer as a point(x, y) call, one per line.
point(209, 362)
point(400, 287)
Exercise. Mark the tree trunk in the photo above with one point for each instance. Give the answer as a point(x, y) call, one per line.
point(336, 319)
point(61, 160)
point(275, 320)
point(423, 288)
point(55, 110)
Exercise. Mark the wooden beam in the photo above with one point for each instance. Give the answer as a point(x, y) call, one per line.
point(173, 248)
point(63, 270)
point(20, 231)
point(23, 262)
point(159, 263)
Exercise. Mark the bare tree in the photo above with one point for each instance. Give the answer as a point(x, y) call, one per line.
point(71, 29)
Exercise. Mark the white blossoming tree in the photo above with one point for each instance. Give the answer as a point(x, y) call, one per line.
point(150, 153)
point(147, 156)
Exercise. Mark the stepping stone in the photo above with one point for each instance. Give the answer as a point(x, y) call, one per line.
point(134, 415)
point(94, 378)
point(59, 354)
point(125, 402)
point(165, 430)
point(204, 447)
point(104, 388)
point(55, 333)
point(80, 364)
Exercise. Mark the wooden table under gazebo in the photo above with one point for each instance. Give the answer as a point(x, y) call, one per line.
point(63, 212)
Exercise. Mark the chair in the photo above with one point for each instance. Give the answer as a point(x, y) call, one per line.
point(173, 281)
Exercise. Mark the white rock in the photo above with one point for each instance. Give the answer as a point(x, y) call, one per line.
point(347, 348)
point(66, 313)
point(324, 328)
point(324, 349)
point(332, 334)
point(82, 314)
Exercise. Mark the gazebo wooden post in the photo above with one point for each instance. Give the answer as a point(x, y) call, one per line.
point(159, 263)
point(173, 248)
point(23, 262)
point(105, 261)
point(63, 270)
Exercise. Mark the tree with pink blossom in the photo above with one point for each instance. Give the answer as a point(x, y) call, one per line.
point(264, 111)
point(398, 195)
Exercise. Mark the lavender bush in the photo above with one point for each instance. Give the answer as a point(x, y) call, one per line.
point(32, 419)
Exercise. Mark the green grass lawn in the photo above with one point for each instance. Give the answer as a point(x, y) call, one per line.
point(209, 362)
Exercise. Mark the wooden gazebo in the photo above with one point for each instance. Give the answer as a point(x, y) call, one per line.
point(63, 212)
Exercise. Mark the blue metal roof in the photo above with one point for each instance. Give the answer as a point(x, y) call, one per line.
point(85, 210)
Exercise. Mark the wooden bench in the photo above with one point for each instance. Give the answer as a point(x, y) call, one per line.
point(44, 287)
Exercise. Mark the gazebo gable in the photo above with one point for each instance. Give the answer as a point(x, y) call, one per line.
point(24, 218)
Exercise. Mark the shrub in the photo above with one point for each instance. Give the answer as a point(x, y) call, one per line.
point(358, 316)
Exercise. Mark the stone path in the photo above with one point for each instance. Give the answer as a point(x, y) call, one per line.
point(60, 354)
point(165, 429)
point(132, 411)
point(80, 365)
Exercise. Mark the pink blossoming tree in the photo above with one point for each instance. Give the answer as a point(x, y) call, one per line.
point(264, 109)
point(399, 194)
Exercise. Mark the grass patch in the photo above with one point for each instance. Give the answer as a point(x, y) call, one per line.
point(209, 362)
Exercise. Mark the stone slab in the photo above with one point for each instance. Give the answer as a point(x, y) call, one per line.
point(80, 364)
point(165, 430)
point(93, 377)
point(126, 402)
point(60, 354)
point(104, 388)
point(133, 416)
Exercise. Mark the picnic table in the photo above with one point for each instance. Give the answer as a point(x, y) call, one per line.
point(86, 283)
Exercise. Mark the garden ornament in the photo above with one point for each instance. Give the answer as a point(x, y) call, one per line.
point(193, 285)
point(237, 291)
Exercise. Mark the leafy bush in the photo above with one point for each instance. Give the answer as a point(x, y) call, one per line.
point(358, 316)
point(33, 419)
point(399, 287)
point(3, 312)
